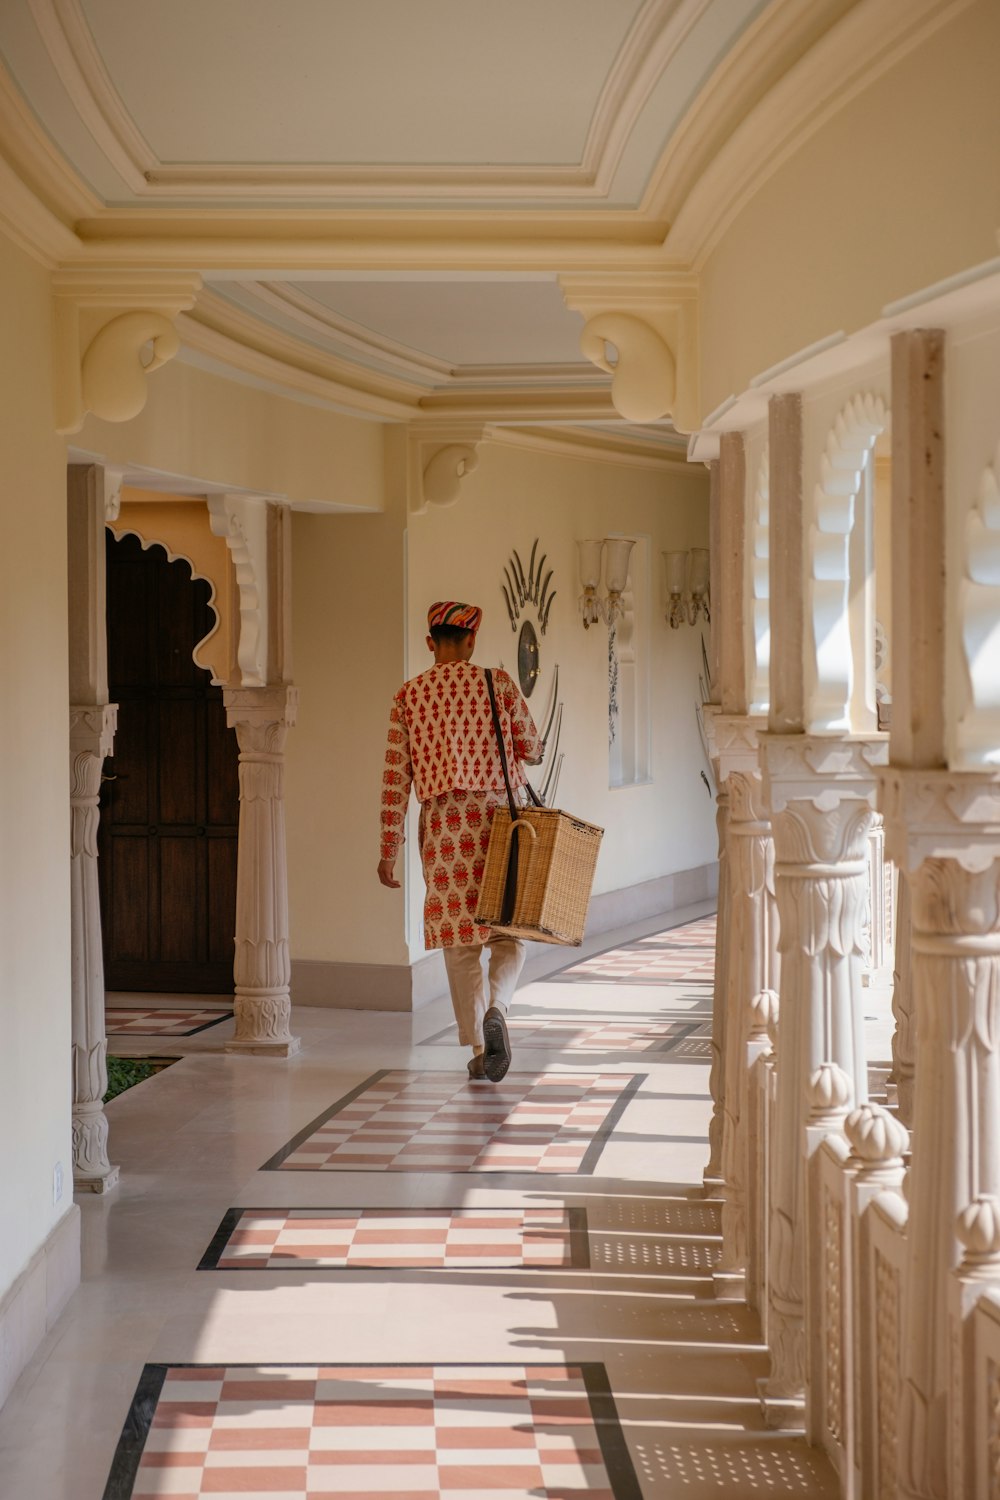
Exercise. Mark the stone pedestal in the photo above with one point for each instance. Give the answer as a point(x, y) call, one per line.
point(943, 828)
point(262, 966)
point(92, 732)
point(820, 789)
point(751, 965)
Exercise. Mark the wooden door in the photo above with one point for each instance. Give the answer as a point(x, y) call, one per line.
point(170, 815)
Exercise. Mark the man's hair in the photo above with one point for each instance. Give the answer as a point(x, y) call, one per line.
point(449, 633)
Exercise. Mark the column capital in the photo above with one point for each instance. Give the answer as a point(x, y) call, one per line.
point(737, 743)
point(824, 769)
point(92, 728)
point(103, 320)
point(260, 706)
point(941, 814)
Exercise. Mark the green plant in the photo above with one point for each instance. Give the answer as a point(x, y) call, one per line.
point(124, 1072)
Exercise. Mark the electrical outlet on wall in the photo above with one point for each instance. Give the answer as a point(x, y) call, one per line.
point(57, 1182)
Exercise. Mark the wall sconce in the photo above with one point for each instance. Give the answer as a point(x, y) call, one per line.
point(687, 586)
point(615, 552)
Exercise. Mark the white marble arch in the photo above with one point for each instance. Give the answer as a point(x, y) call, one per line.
point(841, 572)
point(760, 585)
point(978, 736)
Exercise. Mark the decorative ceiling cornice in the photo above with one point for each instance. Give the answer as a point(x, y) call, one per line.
point(657, 34)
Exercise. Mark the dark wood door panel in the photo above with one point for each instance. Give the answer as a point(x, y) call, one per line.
point(170, 815)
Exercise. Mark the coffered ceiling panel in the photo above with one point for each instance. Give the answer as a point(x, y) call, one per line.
point(407, 81)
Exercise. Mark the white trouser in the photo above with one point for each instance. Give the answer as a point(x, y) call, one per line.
point(465, 980)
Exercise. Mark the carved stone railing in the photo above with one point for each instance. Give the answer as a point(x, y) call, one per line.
point(857, 1257)
point(983, 1468)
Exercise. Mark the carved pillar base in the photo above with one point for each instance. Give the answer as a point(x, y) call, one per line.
point(821, 789)
point(262, 967)
point(91, 736)
point(944, 830)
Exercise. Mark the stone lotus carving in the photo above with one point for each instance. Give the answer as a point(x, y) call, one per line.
point(877, 1139)
point(830, 1092)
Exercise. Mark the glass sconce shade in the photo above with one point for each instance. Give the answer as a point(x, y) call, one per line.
point(687, 586)
point(617, 552)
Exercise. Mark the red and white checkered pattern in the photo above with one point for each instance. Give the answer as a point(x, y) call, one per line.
point(392, 1433)
point(425, 1122)
point(134, 1020)
point(280, 1240)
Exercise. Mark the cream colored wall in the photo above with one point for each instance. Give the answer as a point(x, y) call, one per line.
point(898, 191)
point(34, 780)
point(511, 498)
point(204, 427)
point(348, 622)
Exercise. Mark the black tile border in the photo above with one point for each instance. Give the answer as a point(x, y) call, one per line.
point(633, 1082)
point(226, 1015)
point(604, 1412)
point(579, 1240)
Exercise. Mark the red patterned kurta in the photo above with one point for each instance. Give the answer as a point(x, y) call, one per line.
point(442, 743)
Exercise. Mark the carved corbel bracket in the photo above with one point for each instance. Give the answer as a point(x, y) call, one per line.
point(650, 321)
point(438, 458)
point(941, 814)
point(111, 330)
point(241, 520)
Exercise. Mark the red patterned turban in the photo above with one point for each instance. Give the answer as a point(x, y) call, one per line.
point(462, 616)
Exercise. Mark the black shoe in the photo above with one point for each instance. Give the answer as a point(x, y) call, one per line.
point(475, 1067)
point(496, 1058)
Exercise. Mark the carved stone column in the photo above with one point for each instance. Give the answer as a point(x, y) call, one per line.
point(944, 829)
point(820, 790)
point(262, 968)
point(91, 735)
point(751, 920)
point(716, 1078)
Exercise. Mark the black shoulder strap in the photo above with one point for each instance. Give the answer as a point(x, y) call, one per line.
point(499, 734)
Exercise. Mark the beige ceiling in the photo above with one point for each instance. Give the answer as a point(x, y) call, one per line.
point(388, 194)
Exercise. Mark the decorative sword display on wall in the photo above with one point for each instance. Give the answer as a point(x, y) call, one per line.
point(528, 588)
point(531, 590)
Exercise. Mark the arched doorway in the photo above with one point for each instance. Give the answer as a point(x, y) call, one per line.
point(170, 808)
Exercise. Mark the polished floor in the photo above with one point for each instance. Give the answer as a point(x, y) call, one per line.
point(355, 1273)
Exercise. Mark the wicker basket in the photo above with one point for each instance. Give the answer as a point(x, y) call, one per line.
point(556, 861)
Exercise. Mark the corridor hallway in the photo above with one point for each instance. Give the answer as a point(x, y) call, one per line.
point(356, 1274)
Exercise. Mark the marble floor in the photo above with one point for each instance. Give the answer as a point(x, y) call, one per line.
point(354, 1273)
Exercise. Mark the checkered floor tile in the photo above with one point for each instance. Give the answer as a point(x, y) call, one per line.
point(317, 1239)
point(423, 1122)
point(299, 1432)
point(133, 1020)
point(684, 954)
point(566, 1034)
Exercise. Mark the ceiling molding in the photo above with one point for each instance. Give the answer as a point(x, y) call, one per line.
point(589, 446)
point(519, 407)
point(848, 58)
point(75, 57)
point(659, 30)
point(287, 371)
point(322, 322)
